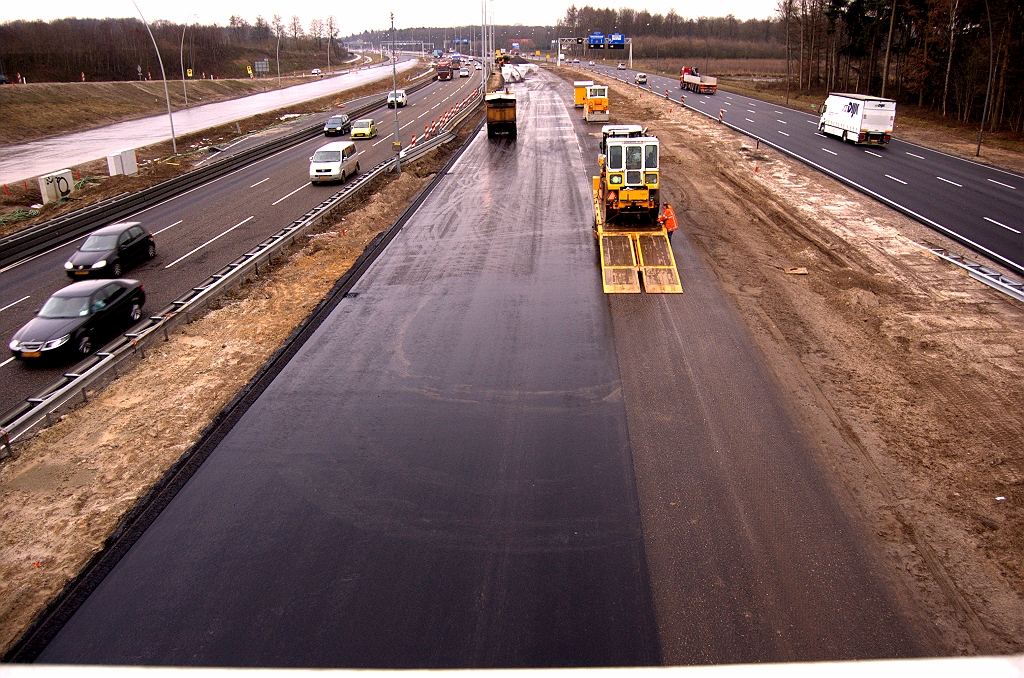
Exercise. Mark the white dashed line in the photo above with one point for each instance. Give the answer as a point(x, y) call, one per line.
point(782, 121)
point(950, 182)
point(872, 153)
point(811, 122)
point(828, 151)
point(207, 243)
point(306, 185)
point(166, 228)
point(899, 181)
point(779, 113)
point(783, 133)
point(259, 182)
point(727, 103)
point(915, 155)
point(750, 111)
point(1002, 184)
point(383, 139)
point(7, 362)
point(15, 303)
point(1008, 228)
point(748, 119)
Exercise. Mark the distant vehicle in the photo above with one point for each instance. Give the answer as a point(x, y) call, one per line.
point(364, 129)
point(111, 250)
point(317, 71)
point(640, 79)
point(478, 67)
point(335, 161)
point(4, 80)
point(590, 63)
point(622, 66)
point(397, 98)
point(463, 72)
point(859, 118)
point(690, 79)
point(337, 124)
point(77, 318)
point(444, 69)
point(575, 61)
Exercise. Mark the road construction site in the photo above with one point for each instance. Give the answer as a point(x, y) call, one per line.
point(480, 459)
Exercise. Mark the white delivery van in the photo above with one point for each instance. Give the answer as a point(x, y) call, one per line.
point(334, 162)
point(859, 118)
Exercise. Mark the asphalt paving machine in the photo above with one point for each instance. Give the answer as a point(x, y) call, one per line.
point(634, 246)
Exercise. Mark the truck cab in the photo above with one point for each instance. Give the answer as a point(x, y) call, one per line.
point(631, 177)
point(630, 131)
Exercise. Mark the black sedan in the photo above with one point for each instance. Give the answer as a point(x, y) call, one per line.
point(337, 124)
point(111, 250)
point(76, 319)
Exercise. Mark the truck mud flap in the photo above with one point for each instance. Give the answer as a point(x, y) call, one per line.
point(657, 263)
point(619, 269)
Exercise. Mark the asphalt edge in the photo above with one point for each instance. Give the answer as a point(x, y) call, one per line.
point(49, 622)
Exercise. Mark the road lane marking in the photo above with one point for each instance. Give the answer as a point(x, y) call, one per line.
point(811, 122)
point(748, 119)
point(305, 185)
point(872, 153)
point(703, 101)
point(914, 155)
point(41, 254)
point(782, 133)
point(259, 182)
point(727, 103)
point(383, 139)
point(1002, 184)
point(8, 361)
point(819, 134)
point(779, 113)
point(753, 104)
point(889, 176)
point(782, 121)
point(207, 243)
point(828, 151)
point(950, 182)
point(426, 112)
point(1008, 228)
point(750, 111)
point(14, 303)
point(165, 228)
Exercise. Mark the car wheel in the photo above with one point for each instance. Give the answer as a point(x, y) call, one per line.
point(151, 251)
point(115, 270)
point(84, 345)
point(135, 313)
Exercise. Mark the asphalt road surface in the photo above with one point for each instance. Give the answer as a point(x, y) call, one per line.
point(202, 230)
point(980, 205)
point(443, 475)
point(20, 161)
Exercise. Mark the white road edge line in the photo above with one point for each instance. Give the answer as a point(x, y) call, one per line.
point(900, 181)
point(41, 254)
point(914, 155)
point(259, 182)
point(382, 140)
point(828, 151)
point(1008, 228)
point(8, 361)
point(950, 182)
point(208, 242)
point(1002, 184)
point(305, 185)
point(14, 303)
point(171, 226)
point(872, 153)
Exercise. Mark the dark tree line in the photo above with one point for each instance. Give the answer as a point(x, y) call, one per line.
point(116, 49)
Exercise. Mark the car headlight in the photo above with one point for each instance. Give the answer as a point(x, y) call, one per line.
point(13, 345)
point(100, 264)
point(50, 345)
point(68, 265)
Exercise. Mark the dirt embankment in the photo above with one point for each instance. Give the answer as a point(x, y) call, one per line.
point(910, 373)
point(71, 485)
point(157, 162)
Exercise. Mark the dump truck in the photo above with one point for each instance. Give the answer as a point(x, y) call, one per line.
point(500, 107)
point(690, 79)
point(633, 245)
point(859, 118)
point(595, 106)
point(580, 89)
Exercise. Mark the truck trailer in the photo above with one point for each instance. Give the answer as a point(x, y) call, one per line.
point(690, 79)
point(859, 118)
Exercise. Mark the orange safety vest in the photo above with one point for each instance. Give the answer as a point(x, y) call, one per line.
point(669, 219)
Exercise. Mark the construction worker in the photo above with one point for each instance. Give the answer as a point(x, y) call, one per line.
point(668, 218)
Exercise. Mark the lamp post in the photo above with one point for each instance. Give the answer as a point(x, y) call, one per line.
point(988, 89)
point(174, 143)
point(181, 56)
point(278, 56)
point(397, 143)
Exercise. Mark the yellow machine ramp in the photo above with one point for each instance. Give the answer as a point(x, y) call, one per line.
point(625, 254)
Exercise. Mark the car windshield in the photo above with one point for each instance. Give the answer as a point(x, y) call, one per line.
point(99, 243)
point(65, 307)
point(336, 120)
point(361, 123)
point(327, 156)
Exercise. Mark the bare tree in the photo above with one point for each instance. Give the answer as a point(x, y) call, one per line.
point(295, 28)
point(278, 26)
point(953, 5)
point(261, 29)
point(316, 31)
point(785, 9)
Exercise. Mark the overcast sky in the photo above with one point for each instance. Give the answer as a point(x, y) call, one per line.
point(370, 15)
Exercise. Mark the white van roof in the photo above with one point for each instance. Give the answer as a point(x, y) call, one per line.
point(335, 146)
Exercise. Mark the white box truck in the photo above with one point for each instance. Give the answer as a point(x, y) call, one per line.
point(859, 118)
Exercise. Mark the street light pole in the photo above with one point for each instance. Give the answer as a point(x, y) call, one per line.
point(397, 143)
point(181, 56)
point(988, 89)
point(278, 56)
point(167, 95)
